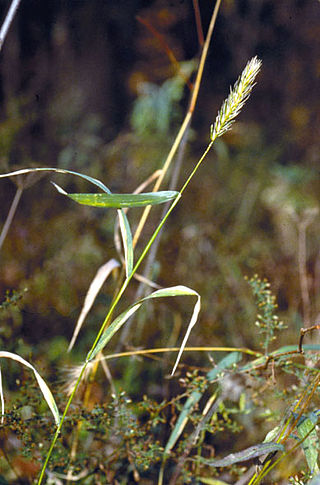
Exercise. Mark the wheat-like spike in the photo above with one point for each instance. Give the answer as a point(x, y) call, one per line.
point(238, 96)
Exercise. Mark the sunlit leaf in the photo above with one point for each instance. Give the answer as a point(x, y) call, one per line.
point(43, 386)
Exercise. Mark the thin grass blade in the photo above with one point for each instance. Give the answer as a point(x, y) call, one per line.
point(126, 241)
point(57, 170)
point(95, 286)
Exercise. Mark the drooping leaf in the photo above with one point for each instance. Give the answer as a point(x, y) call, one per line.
point(120, 201)
point(100, 277)
point(47, 394)
point(245, 455)
point(123, 317)
point(57, 170)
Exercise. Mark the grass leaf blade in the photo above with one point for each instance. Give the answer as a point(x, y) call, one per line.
point(97, 282)
point(58, 170)
point(123, 317)
point(121, 201)
point(126, 241)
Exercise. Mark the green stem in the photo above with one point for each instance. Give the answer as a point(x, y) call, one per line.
point(114, 304)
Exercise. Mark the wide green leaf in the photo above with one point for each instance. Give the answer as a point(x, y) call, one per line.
point(124, 223)
point(115, 326)
point(121, 201)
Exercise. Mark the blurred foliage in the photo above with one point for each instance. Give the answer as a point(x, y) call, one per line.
point(86, 86)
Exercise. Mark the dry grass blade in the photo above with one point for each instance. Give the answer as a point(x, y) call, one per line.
point(96, 284)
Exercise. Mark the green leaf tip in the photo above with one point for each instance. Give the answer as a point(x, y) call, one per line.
point(232, 106)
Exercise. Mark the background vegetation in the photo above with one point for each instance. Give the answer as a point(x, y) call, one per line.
point(91, 86)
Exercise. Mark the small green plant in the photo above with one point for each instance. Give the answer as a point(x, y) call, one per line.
point(267, 320)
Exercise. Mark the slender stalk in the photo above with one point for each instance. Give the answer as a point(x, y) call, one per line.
point(225, 117)
point(56, 435)
point(10, 215)
point(8, 20)
point(113, 306)
point(161, 350)
point(185, 123)
point(179, 144)
point(164, 170)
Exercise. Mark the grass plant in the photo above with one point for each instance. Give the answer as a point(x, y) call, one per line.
point(212, 403)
